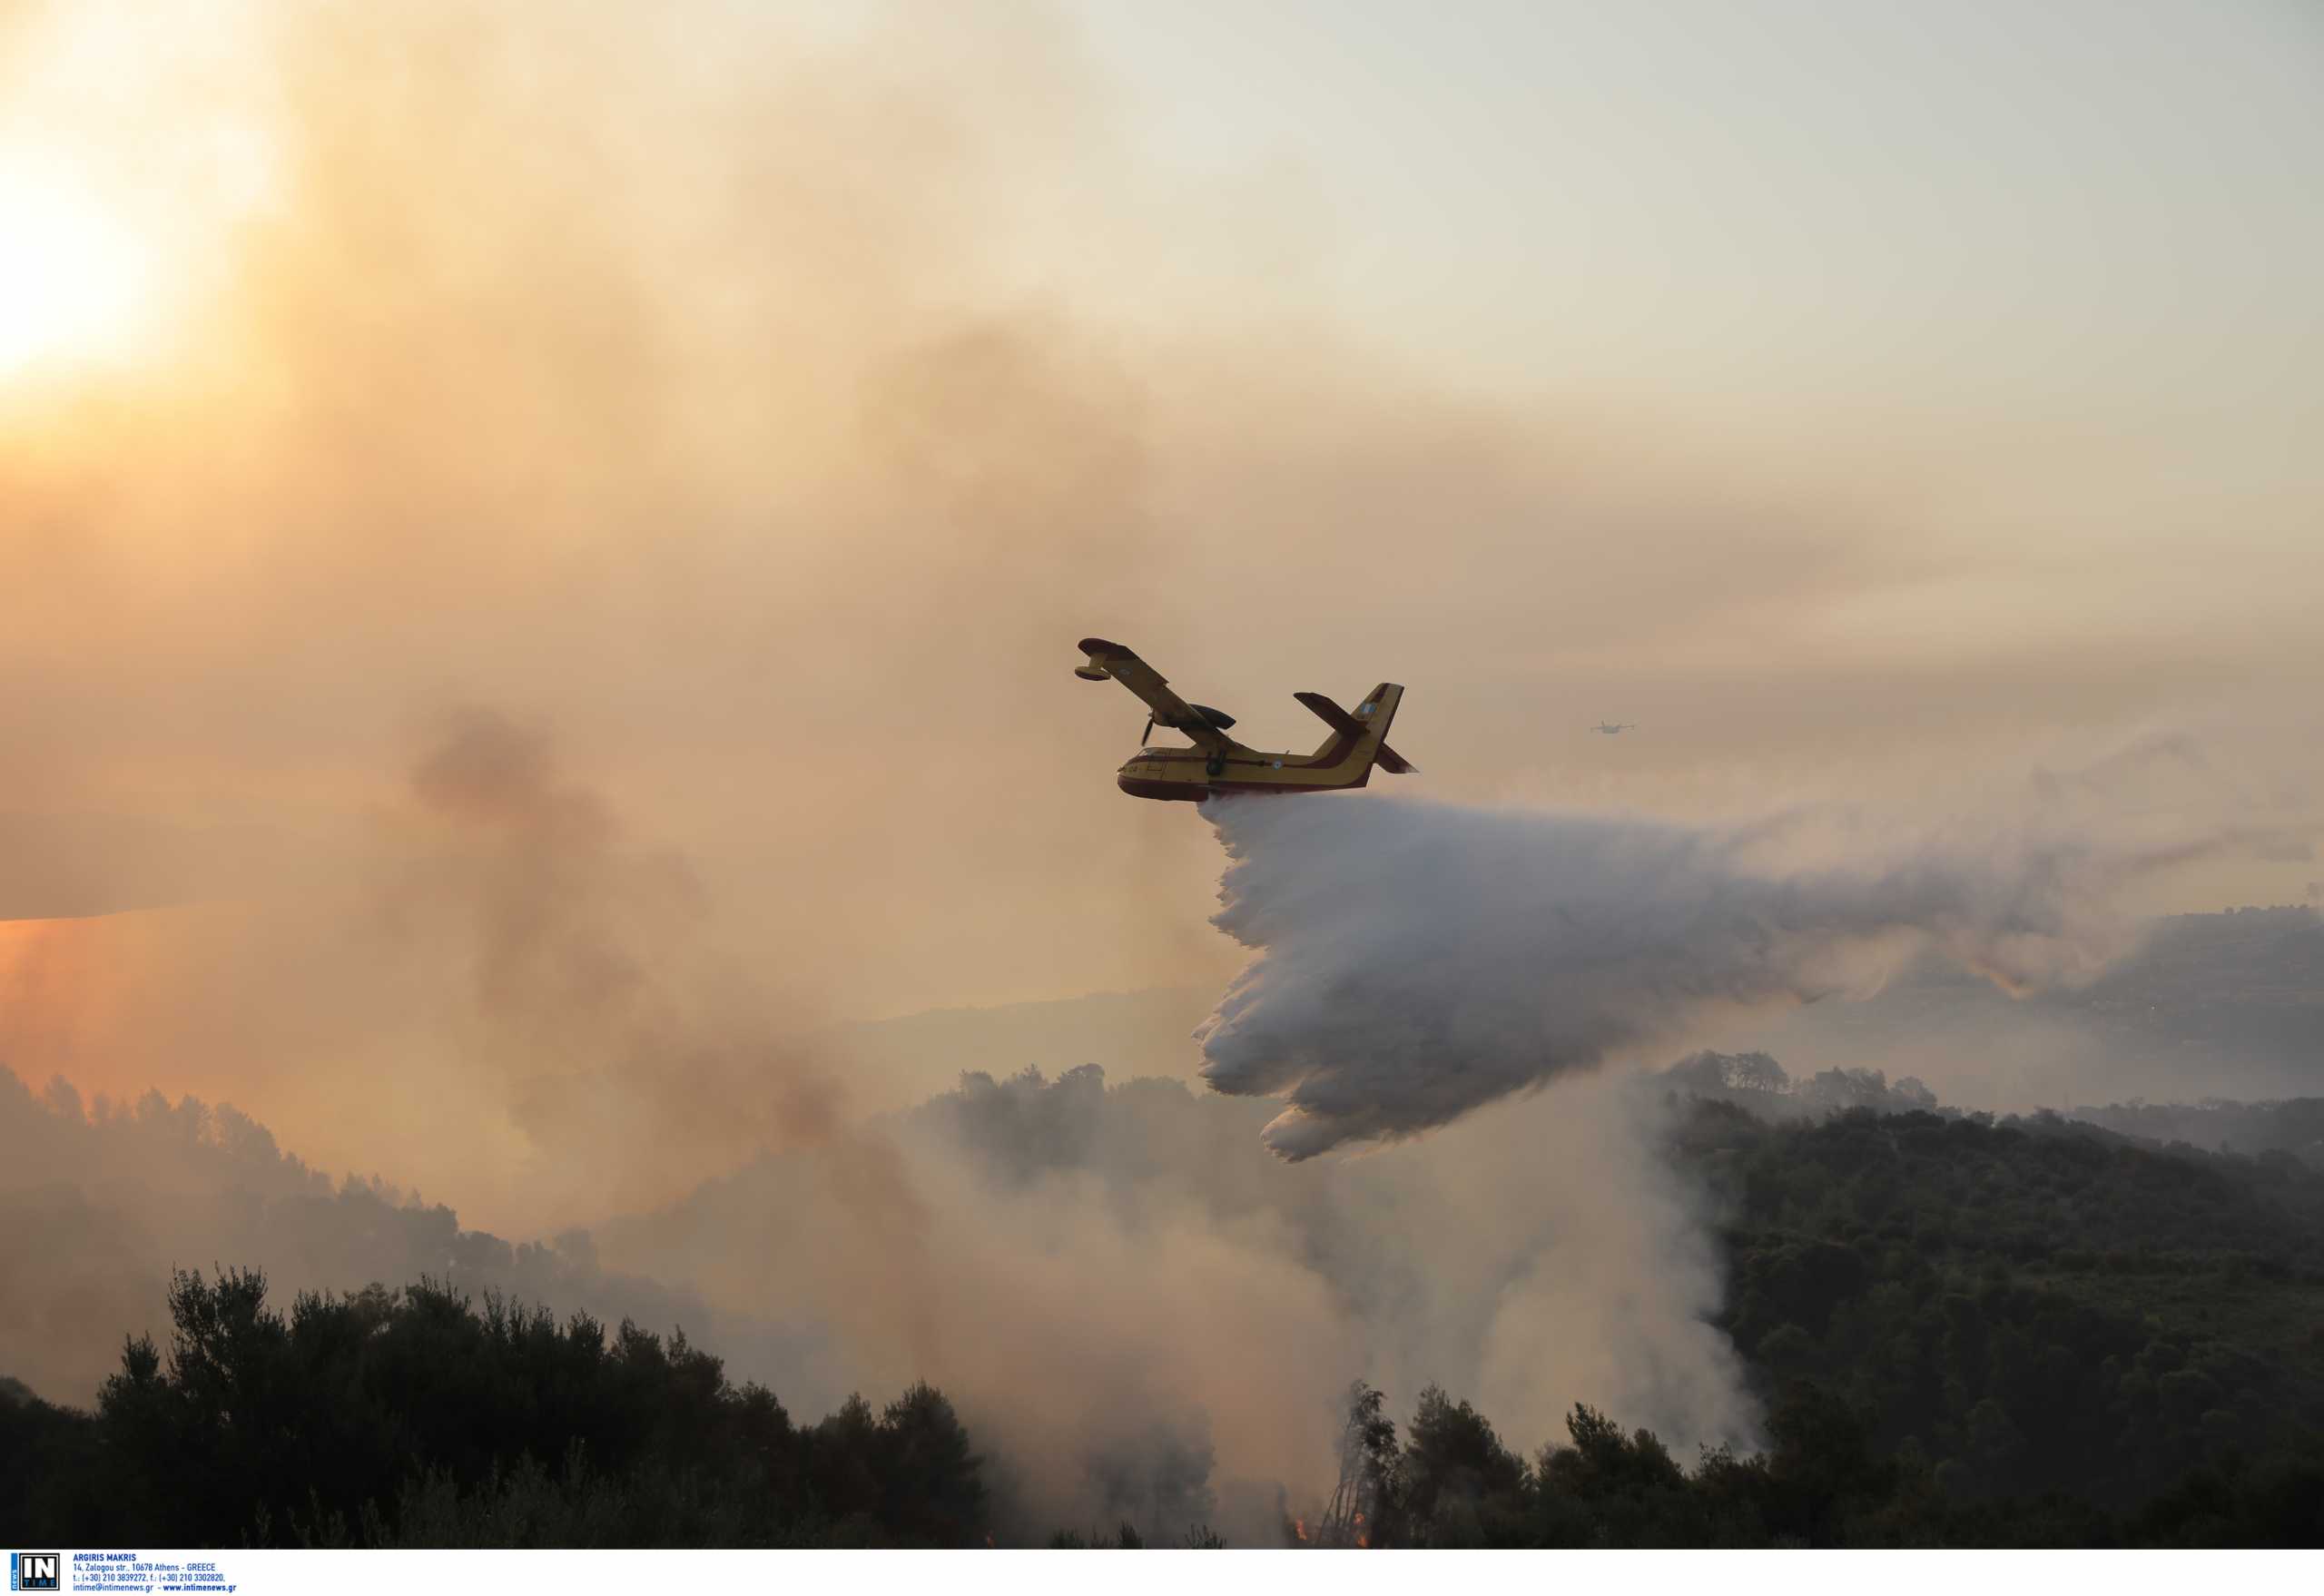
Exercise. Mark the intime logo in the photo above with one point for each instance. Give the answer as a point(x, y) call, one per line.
point(33, 1571)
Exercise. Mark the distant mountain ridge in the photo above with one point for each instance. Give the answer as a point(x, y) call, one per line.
point(2207, 994)
point(899, 1063)
point(2227, 1005)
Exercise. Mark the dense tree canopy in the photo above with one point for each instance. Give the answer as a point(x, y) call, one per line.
point(413, 1417)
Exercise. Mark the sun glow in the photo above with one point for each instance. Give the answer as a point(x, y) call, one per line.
point(75, 284)
point(113, 233)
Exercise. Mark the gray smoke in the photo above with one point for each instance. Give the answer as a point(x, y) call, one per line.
point(100, 1200)
point(1415, 962)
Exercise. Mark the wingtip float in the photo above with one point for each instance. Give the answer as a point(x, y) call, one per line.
point(1217, 765)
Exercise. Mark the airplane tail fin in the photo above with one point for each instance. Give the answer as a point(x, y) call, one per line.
point(1362, 734)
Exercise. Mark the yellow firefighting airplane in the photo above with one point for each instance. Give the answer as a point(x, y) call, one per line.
point(1218, 763)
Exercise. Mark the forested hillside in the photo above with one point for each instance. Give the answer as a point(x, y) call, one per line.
point(1961, 1332)
point(1966, 1333)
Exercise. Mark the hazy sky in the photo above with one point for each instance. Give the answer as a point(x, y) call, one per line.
point(750, 405)
point(2030, 210)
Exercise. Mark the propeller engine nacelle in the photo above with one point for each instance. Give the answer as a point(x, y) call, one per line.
point(1219, 719)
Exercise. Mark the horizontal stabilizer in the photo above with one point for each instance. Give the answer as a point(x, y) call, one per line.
point(1346, 725)
point(1331, 715)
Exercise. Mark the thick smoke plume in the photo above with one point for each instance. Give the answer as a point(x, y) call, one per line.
point(1416, 962)
point(1142, 1315)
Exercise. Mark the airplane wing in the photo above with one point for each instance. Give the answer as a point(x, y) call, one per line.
point(1111, 659)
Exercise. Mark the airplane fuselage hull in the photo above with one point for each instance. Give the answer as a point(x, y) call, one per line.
point(1183, 775)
